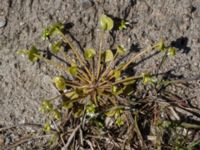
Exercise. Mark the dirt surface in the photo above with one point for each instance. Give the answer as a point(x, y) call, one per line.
point(24, 84)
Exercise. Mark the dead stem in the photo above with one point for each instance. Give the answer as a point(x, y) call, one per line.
point(71, 137)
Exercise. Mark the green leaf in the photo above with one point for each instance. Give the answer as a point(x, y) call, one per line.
point(52, 30)
point(55, 48)
point(110, 113)
point(72, 95)
point(46, 106)
point(160, 46)
point(78, 113)
point(22, 52)
point(114, 89)
point(46, 33)
point(172, 51)
point(90, 108)
point(73, 70)
point(123, 24)
point(47, 127)
point(117, 74)
point(56, 114)
point(32, 54)
point(147, 79)
point(67, 105)
point(108, 55)
point(121, 50)
point(119, 121)
point(89, 53)
point(106, 23)
point(59, 82)
point(114, 112)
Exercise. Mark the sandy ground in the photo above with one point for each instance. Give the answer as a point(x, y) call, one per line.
point(24, 84)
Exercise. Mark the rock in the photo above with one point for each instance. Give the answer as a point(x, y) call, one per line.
point(86, 4)
point(2, 23)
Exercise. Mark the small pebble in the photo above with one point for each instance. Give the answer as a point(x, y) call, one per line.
point(2, 23)
point(86, 3)
point(19, 148)
point(21, 23)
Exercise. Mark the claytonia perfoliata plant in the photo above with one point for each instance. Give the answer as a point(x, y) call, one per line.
point(96, 83)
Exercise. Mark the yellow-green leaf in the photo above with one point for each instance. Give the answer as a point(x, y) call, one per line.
point(172, 51)
point(116, 90)
point(123, 25)
point(110, 113)
point(119, 121)
point(59, 82)
point(73, 70)
point(121, 50)
point(72, 95)
point(46, 106)
point(22, 52)
point(108, 55)
point(78, 113)
point(114, 112)
point(56, 114)
point(67, 105)
point(90, 108)
point(117, 74)
point(33, 54)
point(55, 48)
point(47, 127)
point(106, 23)
point(89, 53)
point(52, 30)
point(147, 79)
point(160, 45)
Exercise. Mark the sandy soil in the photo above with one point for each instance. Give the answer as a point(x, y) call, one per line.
point(24, 84)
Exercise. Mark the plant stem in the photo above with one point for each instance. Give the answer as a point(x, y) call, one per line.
point(81, 79)
point(75, 53)
point(85, 75)
point(67, 58)
point(134, 58)
point(100, 51)
point(127, 79)
point(107, 71)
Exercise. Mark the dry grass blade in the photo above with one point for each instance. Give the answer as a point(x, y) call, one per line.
point(143, 146)
point(71, 138)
